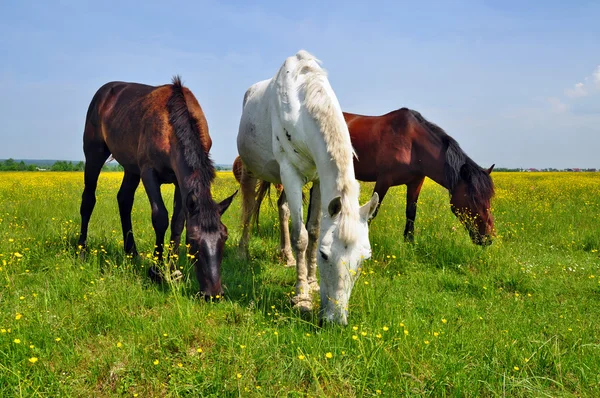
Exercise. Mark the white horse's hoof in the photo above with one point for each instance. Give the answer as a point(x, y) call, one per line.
point(314, 287)
point(302, 302)
point(176, 276)
point(289, 259)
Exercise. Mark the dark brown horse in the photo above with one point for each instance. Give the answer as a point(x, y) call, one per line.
point(159, 135)
point(402, 147)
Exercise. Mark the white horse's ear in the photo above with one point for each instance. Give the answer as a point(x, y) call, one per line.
point(366, 211)
point(335, 206)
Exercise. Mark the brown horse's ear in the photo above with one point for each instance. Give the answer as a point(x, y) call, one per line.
point(224, 205)
point(335, 206)
point(491, 168)
point(191, 202)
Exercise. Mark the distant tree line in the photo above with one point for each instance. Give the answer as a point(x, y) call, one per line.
point(65, 165)
point(59, 165)
point(543, 170)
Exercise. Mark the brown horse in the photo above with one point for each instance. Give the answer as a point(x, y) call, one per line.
point(402, 147)
point(159, 135)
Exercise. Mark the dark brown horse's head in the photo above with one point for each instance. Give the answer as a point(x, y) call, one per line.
point(206, 237)
point(470, 202)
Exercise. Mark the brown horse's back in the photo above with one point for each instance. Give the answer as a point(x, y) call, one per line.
point(383, 145)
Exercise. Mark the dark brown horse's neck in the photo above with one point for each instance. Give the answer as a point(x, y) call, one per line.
point(188, 180)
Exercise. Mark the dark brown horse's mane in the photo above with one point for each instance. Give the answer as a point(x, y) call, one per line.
point(188, 136)
point(459, 166)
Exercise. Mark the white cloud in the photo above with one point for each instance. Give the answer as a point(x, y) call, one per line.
point(557, 105)
point(577, 91)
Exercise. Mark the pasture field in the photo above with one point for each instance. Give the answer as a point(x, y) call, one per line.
point(441, 317)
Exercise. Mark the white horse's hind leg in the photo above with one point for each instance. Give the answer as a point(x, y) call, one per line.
point(312, 225)
point(284, 231)
point(292, 183)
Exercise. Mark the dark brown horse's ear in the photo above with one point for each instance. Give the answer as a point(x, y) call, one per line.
point(491, 168)
point(335, 206)
point(190, 202)
point(224, 205)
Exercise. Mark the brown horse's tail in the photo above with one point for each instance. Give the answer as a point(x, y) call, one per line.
point(264, 189)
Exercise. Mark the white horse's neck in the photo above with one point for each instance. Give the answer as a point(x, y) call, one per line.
point(333, 153)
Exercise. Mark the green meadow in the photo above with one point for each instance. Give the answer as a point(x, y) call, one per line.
point(440, 317)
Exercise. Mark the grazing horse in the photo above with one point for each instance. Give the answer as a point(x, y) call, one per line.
point(292, 131)
point(402, 147)
point(159, 135)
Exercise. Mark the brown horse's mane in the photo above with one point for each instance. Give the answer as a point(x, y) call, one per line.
point(458, 166)
point(195, 156)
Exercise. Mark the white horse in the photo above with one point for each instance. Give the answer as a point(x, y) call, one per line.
point(292, 131)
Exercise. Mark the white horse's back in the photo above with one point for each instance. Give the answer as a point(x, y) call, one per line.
point(254, 139)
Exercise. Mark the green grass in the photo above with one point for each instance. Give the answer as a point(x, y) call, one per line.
point(441, 317)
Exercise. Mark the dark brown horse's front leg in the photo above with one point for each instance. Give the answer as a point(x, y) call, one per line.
point(412, 196)
point(125, 199)
point(381, 187)
point(160, 215)
point(177, 220)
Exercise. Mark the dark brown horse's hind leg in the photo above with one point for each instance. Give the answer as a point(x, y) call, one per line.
point(125, 198)
point(412, 196)
point(95, 156)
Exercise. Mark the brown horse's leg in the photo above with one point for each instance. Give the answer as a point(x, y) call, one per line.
point(285, 245)
point(381, 187)
point(95, 156)
point(125, 199)
point(160, 215)
point(412, 195)
point(248, 186)
point(313, 222)
point(177, 220)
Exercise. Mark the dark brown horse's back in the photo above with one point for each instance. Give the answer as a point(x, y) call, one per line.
point(120, 116)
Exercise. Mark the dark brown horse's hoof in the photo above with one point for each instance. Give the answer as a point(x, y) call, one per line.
point(155, 275)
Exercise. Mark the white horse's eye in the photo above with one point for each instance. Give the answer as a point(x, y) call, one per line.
point(324, 256)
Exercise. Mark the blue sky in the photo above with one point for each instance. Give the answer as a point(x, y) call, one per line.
point(516, 83)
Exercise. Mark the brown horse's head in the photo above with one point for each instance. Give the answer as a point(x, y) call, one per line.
point(470, 202)
point(206, 236)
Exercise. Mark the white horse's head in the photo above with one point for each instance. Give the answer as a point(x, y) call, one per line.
point(340, 261)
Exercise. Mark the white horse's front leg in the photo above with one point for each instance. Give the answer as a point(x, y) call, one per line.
point(312, 225)
point(292, 184)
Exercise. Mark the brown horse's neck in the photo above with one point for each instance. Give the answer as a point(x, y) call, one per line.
point(430, 154)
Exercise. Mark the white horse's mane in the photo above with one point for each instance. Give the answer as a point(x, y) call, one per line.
point(322, 108)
